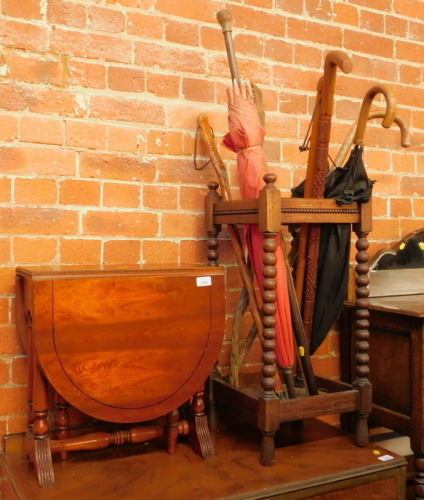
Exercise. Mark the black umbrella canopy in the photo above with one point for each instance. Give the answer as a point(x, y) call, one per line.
point(346, 185)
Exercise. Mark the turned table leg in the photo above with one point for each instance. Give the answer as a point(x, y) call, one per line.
point(61, 421)
point(199, 429)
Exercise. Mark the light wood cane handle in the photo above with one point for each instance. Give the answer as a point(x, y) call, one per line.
point(225, 20)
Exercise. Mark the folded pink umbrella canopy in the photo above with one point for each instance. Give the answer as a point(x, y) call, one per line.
point(246, 136)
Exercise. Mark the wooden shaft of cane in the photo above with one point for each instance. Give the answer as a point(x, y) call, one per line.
point(225, 20)
point(335, 59)
point(298, 330)
point(219, 168)
point(365, 110)
point(345, 148)
point(309, 185)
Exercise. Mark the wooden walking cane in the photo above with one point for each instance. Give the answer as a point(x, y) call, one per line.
point(243, 266)
point(405, 138)
point(335, 59)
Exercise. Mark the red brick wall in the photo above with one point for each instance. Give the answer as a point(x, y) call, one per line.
point(98, 108)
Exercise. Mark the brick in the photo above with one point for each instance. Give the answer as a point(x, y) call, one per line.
point(377, 160)
point(412, 9)
point(126, 79)
point(182, 225)
point(382, 5)
point(119, 167)
point(199, 10)
point(41, 130)
point(281, 126)
point(9, 339)
point(19, 370)
point(145, 25)
point(259, 21)
point(5, 190)
point(63, 12)
point(127, 110)
point(265, 4)
point(165, 56)
point(24, 97)
point(410, 75)
point(198, 90)
point(192, 198)
point(105, 19)
point(14, 400)
point(372, 21)
point(183, 33)
point(5, 254)
point(121, 195)
point(363, 66)
point(310, 31)
point(22, 35)
point(36, 68)
point(369, 44)
point(36, 191)
point(45, 221)
point(90, 75)
point(418, 208)
point(211, 38)
point(40, 161)
point(126, 139)
point(292, 6)
point(380, 207)
point(385, 183)
point(396, 26)
point(386, 229)
point(34, 251)
point(403, 162)
point(160, 197)
point(296, 78)
point(30, 9)
point(80, 251)
point(412, 186)
point(326, 366)
point(409, 51)
point(121, 251)
point(385, 70)
point(122, 223)
point(164, 142)
point(292, 103)
point(9, 127)
point(82, 134)
point(254, 69)
point(145, 4)
point(160, 251)
point(79, 192)
point(163, 85)
point(278, 50)
point(91, 45)
point(401, 207)
point(194, 251)
point(4, 372)
point(17, 425)
point(4, 311)
point(308, 56)
point(251, 45)
point(345, 14)
point(319, 9)
point(176, 170)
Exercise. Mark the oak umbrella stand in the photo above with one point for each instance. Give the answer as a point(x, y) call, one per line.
point(270, 211)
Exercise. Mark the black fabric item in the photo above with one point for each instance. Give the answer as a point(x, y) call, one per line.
point(346, 185)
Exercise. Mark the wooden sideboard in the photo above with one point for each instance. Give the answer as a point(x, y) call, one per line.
point(397, 362)
point(125, 345)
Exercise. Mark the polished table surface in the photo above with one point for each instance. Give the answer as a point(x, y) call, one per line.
point(318, 458)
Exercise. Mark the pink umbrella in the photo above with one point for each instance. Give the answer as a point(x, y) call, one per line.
point(246, 136)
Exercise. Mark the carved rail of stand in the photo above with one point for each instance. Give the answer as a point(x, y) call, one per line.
point(293, 210)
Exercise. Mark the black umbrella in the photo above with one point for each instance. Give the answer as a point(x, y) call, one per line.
point(346, 185)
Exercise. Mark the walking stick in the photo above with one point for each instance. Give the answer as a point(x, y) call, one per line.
point(405, 138)
point(333, 60)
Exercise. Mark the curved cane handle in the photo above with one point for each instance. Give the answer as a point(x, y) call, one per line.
point(225, 20)
point(389, 116)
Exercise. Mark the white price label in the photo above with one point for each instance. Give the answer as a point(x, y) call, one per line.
point(384, 458)
point(204, 281)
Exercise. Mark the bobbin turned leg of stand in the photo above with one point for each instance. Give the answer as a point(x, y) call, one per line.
point(362, 383)
point(419, 476)
point(268, 403)
point(61, 421)
point(172, 419)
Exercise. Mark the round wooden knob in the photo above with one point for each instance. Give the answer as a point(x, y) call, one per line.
point(225, 20)
point(270, 178)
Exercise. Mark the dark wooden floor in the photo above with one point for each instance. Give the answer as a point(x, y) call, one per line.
point(316, 462)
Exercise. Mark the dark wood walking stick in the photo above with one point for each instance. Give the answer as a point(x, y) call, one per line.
point(335, 59)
